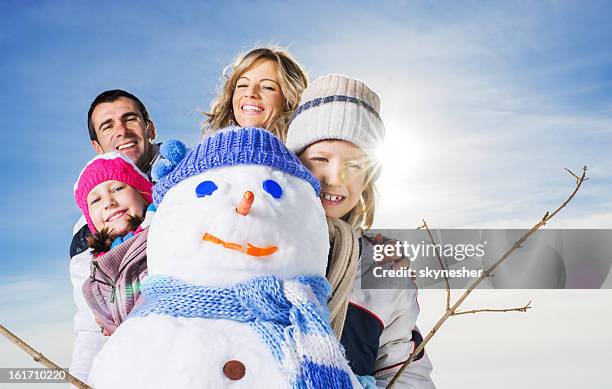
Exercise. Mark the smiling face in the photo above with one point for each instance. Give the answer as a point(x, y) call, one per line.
point(257, 97)
point(111, 203)
point(231, 224)
point(340, 167)
point(120, 127)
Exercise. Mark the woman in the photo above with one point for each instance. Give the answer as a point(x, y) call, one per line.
point(262, 89)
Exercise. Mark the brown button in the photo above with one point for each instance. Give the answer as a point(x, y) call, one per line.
point(234, 370)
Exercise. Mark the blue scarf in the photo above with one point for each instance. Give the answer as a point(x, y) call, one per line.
point(291, 318)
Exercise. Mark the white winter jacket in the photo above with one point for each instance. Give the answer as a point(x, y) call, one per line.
point(89, 339)
point(380, 332)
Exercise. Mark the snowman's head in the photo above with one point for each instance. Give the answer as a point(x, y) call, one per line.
point(238, 206)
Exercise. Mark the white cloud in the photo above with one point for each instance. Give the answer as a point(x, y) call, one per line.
point(480, 137)
point(53, 340)
point(38, 309)
point(473, 140)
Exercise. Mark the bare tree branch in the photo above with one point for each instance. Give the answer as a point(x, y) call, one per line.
point(486, 273)
point(576, 177)
point(438, 255)
point(572, 173)
point(38, 357)
point(518, 309)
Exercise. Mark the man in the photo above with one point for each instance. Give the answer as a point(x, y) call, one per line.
point(118, 122)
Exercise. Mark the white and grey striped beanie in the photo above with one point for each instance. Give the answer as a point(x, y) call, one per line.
point(335, 106)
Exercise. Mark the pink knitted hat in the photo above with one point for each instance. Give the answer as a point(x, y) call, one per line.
point(107, 167)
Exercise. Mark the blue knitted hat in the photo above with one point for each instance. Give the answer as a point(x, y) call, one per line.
point(235, 146)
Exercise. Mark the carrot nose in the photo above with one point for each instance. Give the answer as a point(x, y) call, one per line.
point(246, 203)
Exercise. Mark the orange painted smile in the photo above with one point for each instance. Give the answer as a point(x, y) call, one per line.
point(248, 250)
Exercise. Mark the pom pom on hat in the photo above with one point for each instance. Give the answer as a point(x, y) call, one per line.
point(108, 167)
point(235, 146)
point(161, 168)
point(172, 152)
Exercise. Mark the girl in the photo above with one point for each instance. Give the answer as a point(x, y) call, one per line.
point(335, 131)
point(263, 88)
point(113, 195)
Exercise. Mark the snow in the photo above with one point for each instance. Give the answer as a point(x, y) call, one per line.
point(162, 351)
point(295, 223)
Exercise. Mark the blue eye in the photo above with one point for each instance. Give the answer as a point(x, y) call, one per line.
point(205, 188)
point(273, 188)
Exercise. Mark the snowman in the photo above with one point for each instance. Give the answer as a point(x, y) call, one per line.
point(236, 294)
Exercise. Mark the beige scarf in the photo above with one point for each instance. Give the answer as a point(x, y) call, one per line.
point(341, 269)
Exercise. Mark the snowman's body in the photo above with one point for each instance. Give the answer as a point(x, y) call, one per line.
point(165, 351)
point(160, 351)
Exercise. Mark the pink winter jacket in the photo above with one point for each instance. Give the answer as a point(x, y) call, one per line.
point(113, 287)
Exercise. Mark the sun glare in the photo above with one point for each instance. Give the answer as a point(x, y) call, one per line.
point(399, 155)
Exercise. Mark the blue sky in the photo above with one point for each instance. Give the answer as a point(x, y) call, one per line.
point(485, 104)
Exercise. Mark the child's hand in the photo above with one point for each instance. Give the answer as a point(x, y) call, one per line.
point(398, 261)
point(104, 331)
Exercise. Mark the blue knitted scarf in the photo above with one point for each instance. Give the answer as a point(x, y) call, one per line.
point(291, 318)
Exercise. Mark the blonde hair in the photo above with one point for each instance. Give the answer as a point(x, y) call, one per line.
point(361, 217)
point(341, 269)
point(292, 79)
